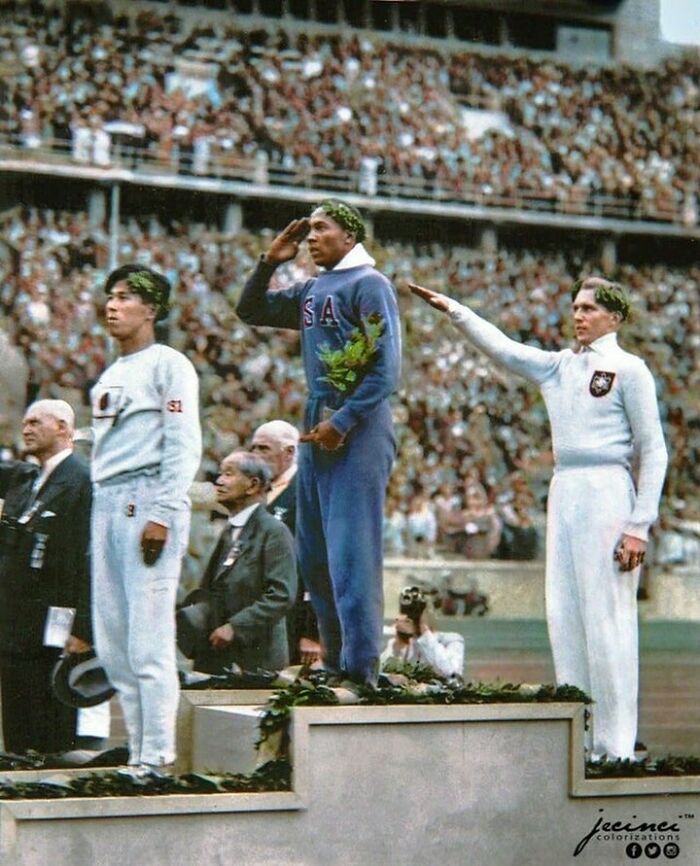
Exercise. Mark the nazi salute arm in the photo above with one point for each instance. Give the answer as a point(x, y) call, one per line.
point(280, 309)
point(533, 364)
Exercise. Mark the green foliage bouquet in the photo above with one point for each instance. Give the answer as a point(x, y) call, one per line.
point(348, 365)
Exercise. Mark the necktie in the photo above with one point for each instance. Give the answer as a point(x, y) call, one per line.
point(233, 549)
point(29, 502)
point(36, 487)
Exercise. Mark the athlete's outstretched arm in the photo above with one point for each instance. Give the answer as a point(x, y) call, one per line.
point(527, 361)
point(435, 299)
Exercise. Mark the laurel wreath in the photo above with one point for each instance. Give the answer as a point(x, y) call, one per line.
point(143, 284)
point(344, 216)
point(346, 367)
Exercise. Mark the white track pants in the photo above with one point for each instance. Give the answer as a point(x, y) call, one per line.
point(591, 604)
point(134, 614)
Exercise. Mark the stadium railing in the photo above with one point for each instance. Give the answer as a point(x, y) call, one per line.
point(222, 165)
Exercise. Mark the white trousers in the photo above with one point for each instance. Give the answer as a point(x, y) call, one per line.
point(591, 604)
point(133, 608)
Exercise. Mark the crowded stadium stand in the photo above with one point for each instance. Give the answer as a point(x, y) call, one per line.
point(497, 161)
point(273, 101)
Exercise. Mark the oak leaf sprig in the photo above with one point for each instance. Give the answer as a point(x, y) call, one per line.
point(348, 365)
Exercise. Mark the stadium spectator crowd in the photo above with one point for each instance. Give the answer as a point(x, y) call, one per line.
point(462, 424)
point(566, 136)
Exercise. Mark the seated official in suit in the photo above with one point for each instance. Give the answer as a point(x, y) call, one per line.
point(238, 613)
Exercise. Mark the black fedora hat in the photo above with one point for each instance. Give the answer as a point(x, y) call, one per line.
point(79, 680)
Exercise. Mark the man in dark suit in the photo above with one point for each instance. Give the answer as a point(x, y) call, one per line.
point(277, 442)
point(44, 549)
point(250, 581)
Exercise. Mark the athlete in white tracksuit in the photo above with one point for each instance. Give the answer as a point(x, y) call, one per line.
point(604, 417)
point(146, 451)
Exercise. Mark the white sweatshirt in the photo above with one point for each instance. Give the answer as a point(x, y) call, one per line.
point(601, 403)
point(145, 411)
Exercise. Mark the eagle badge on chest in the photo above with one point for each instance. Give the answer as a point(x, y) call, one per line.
point(601, 383)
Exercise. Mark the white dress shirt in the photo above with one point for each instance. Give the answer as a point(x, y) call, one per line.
point(281, 483)
point(238, 520)
point(48, 467)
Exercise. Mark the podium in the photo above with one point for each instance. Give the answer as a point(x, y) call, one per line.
point(485, 785)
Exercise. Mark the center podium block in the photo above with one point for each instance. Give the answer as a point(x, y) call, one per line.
point(224, 737)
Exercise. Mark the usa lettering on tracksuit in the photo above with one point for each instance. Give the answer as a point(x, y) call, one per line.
point(340, 493)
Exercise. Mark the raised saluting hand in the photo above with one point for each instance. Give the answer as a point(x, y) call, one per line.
point(285, 245)
point(435, 299)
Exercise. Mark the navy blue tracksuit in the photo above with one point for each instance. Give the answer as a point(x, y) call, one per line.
point(340, 493)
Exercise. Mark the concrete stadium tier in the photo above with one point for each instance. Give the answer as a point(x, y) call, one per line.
point(485, 785)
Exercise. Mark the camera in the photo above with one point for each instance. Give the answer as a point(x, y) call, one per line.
point(412, 603)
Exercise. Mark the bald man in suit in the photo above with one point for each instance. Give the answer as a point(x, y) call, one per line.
point(44, 562)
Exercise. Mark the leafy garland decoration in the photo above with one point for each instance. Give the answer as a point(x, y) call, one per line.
point(614, 298)
point(408, 684)
point(274, 723)
point(669, 765)
point(346, 366)
point(273, 776)
point(405, 683)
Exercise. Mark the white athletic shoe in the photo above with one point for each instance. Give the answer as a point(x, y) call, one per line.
point(146, 772)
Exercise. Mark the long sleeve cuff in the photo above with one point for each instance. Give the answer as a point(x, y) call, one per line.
point(265, 267)
point(637, 530)
point(161, 516)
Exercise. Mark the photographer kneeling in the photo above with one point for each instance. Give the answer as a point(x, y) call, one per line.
point(416, 638)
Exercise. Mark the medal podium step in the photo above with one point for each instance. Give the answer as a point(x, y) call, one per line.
point(224, 737)
point(488, 785)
